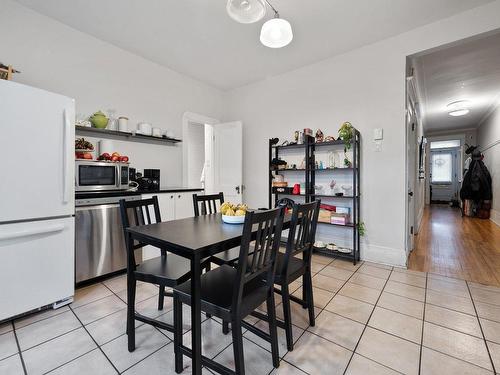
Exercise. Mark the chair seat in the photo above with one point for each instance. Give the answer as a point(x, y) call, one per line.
point(170, 270)
point(217, 288)
point(230, 256)
point(296, 268)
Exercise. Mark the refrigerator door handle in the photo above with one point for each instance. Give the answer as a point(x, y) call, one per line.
point(32, 232)
point(66, 156)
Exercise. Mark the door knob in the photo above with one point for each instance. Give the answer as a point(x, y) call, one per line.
point(237, 189)
point(410, 193)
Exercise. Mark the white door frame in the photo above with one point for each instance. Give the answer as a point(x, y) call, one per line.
point(188, 117)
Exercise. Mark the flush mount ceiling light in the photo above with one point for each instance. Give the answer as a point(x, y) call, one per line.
point(275, 33)
point(458, 108)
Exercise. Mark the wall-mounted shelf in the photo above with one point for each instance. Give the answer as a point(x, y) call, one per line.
point(122, 136)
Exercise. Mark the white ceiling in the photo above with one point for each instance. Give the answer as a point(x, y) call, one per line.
point(467, 71)
point(197, 37)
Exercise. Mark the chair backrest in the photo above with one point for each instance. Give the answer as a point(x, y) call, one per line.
point(302, 232)
point(138, 212)
point(263, 250)
point(206, 204)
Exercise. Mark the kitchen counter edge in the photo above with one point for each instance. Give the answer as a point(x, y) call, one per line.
point(124, 193)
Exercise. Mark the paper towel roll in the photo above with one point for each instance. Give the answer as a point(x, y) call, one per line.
point(106, 145)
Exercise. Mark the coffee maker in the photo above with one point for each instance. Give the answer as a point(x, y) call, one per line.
point(151, 180)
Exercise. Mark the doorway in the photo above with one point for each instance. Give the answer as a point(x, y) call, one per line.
point(213, 156)
point(443, 175)
point(452, 103)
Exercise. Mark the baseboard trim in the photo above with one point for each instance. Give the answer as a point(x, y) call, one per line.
point(383, 255)
point(495, 217)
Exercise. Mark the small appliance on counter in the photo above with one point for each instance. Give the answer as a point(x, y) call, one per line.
point(93, 175)
point(150, 181)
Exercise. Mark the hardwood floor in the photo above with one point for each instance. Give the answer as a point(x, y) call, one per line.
point(467, 248)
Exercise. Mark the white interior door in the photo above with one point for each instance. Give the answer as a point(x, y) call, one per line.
point(228, 160)
point(37, 140)
point(411, 157)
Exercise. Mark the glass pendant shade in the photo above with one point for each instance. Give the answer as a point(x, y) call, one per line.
point(246, 11)
point(276, 33)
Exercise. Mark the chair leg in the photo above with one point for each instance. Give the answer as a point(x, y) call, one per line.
point(179, 365)
point(304, 291)
point(310, 298)
point(239, 360)
point(287, 316)
point(208, 267)
point(225, 327)
point(273, 330)
point(161, 297)
point(131, 284)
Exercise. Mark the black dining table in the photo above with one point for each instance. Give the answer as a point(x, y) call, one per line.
point(194, 238)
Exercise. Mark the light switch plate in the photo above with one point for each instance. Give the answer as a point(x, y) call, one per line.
point(378, 134)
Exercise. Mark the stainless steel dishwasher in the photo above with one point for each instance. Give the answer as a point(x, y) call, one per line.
point(100, 244)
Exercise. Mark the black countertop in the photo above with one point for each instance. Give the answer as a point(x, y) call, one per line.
point(122, 193)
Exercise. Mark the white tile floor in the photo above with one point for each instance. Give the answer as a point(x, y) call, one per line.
point(371, 319)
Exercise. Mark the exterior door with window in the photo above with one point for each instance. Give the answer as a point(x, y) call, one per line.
point(443, 174)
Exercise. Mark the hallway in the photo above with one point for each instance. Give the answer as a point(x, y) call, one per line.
point(447, 244)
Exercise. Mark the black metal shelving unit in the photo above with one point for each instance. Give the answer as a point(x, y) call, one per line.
point(309, 148)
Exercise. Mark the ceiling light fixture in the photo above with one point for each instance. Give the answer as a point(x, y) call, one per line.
point(458, 108)
point(246, 11)
point(275, 33)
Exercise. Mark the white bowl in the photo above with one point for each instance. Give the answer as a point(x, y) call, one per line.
point(233, 219)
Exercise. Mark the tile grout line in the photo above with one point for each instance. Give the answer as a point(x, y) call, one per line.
point(88, 333)
point(40, 320)
point(481, 328)
point(323, 309)
point(19, 348)
point(366, 324)
point(423, 325)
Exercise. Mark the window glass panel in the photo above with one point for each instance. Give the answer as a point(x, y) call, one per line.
point(445, 144)
point(441, 167)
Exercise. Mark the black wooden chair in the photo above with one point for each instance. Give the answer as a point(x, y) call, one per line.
point(290, 266)
point(205, 205)
point(234, 293)
point(167, 270)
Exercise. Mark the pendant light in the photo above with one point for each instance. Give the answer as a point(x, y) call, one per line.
point(246, 11)
point(276, 33)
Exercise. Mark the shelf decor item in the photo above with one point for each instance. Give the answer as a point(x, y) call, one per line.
point(346, 134)
point(6, 72)
point(99, 120)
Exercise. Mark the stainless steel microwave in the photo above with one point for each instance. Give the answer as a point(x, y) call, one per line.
point(93, 175)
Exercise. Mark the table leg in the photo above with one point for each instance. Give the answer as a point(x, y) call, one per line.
point(196, 314)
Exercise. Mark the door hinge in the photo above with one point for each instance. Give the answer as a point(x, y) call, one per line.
point(413, 127)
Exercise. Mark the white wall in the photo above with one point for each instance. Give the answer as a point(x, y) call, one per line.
point(367, 87)
point(488, 138)
point(100, 76)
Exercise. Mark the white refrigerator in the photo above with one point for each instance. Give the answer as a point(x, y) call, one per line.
point(37, 134)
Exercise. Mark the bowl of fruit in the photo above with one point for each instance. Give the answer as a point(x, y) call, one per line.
point(233, 213)
point(115, 156)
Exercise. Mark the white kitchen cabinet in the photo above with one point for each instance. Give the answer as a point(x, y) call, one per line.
point(173, 206)
point(184, 205)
